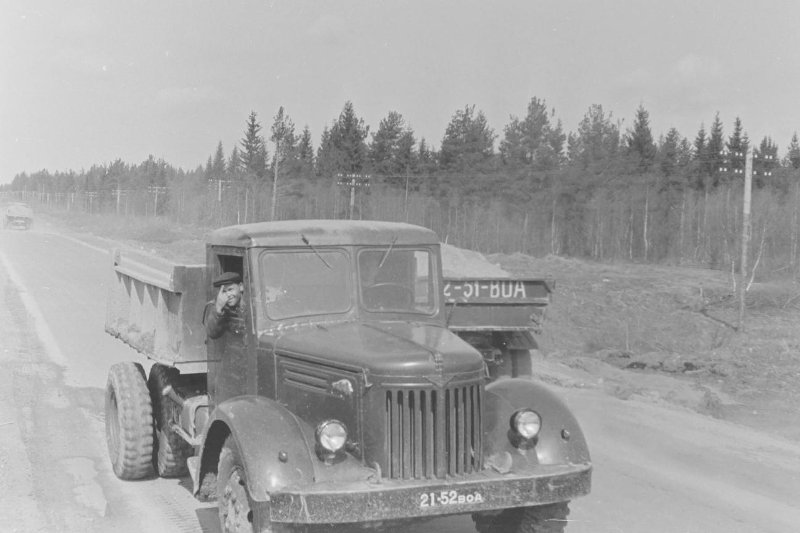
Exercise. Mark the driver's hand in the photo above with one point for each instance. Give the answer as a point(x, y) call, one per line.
point(221, 301)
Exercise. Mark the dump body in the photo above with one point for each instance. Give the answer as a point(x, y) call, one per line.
point(156, 307)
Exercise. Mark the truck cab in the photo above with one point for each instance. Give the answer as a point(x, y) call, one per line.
point(338, 395)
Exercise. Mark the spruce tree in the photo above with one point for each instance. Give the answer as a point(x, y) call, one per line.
point(218, 166)
point(305, 154)
point(253, 153)
point(717, 159)
point(793, 152)
point(641, 147)
point(737, 147)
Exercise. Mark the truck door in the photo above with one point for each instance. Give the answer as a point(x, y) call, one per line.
point(231, 370)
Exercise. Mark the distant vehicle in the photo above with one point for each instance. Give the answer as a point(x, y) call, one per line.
point(18, 216)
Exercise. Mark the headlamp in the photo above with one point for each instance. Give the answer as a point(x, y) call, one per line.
point(331, 436)
point(526, 423)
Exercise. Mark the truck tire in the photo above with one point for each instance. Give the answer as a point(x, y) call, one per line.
point(171, 451)
point(550, 518)
point(129, 421)
point(237, 514)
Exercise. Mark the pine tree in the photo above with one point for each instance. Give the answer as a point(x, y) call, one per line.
point(328, 158)
point(218, 166)
point(717, 161)
point(305, 154)
point(342, 147)
point(284, 140)
point(234, 162)
point(253, 154)
point(468, 142)
point(595, 145)
point(702, 165)
point(668, 152)
point(765, 161)
point(391, 152)
point(737, 147)
point(640, 141)
point(793, 152)
point(533, 142)
point(348, 136)
point(208, 172)
point(426, 166)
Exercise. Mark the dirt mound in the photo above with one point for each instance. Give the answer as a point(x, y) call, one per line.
point(461, 263)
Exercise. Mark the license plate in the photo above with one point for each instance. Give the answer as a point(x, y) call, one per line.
point(448, 497)
point(494, 290)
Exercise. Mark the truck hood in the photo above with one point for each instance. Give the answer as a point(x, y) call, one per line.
point(392, 349)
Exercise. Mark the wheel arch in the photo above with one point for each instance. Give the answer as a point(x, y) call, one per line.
point(560, 440)
point(272, 442)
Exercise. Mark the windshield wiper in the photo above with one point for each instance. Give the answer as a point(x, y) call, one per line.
point(305, 241)
point(386, 253)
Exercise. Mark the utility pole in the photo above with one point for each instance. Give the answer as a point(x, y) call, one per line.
point(748, 187)
point(218, 184)
point(353, 181)
point(122, 193)
point(91, 195)
point(156, 190)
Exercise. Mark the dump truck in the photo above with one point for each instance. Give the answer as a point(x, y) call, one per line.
point(356, 387)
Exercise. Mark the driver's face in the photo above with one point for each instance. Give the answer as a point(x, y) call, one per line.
point(233, 293)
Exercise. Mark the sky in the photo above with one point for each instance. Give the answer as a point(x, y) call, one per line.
point(88, 82)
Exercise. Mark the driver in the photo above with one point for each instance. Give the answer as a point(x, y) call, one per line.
point(221, 311)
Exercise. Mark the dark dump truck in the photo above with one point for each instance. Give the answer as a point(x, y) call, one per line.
point(357, 388)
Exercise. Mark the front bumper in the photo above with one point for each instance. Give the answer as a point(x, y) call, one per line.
point(329, 503)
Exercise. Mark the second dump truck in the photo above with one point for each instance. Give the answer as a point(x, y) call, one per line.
point(359, 387)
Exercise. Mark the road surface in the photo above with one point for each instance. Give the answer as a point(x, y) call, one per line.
point(656, 469)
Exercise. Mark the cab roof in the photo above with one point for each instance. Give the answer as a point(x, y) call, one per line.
point(322, 233)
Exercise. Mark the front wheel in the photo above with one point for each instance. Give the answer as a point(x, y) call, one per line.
point(237, 512)
point(550, 518)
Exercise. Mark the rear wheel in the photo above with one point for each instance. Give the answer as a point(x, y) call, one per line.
point(237, 513)
point(538, 519)
point(171, 450)
point(129, 421)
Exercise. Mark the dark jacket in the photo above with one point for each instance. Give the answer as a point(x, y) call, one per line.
point(218, 323)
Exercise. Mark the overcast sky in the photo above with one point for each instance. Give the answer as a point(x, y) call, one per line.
point(85, 82)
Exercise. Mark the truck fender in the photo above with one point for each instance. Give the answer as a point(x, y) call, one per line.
point(273, 444)
point(560, 440)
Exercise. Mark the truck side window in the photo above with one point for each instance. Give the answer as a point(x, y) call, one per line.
point(230, 263)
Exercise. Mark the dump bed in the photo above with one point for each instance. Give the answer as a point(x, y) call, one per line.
point(157, 307)
point(481, 296)
point(496, 304)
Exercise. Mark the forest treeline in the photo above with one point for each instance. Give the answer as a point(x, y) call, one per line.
point(597, 192)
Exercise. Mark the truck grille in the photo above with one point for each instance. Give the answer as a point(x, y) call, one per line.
point(433, 433)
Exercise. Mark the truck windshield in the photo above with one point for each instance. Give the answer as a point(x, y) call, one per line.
point(394, 279)
point(301, 283)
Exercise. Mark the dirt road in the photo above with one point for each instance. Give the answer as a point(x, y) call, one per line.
point(657, 469)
